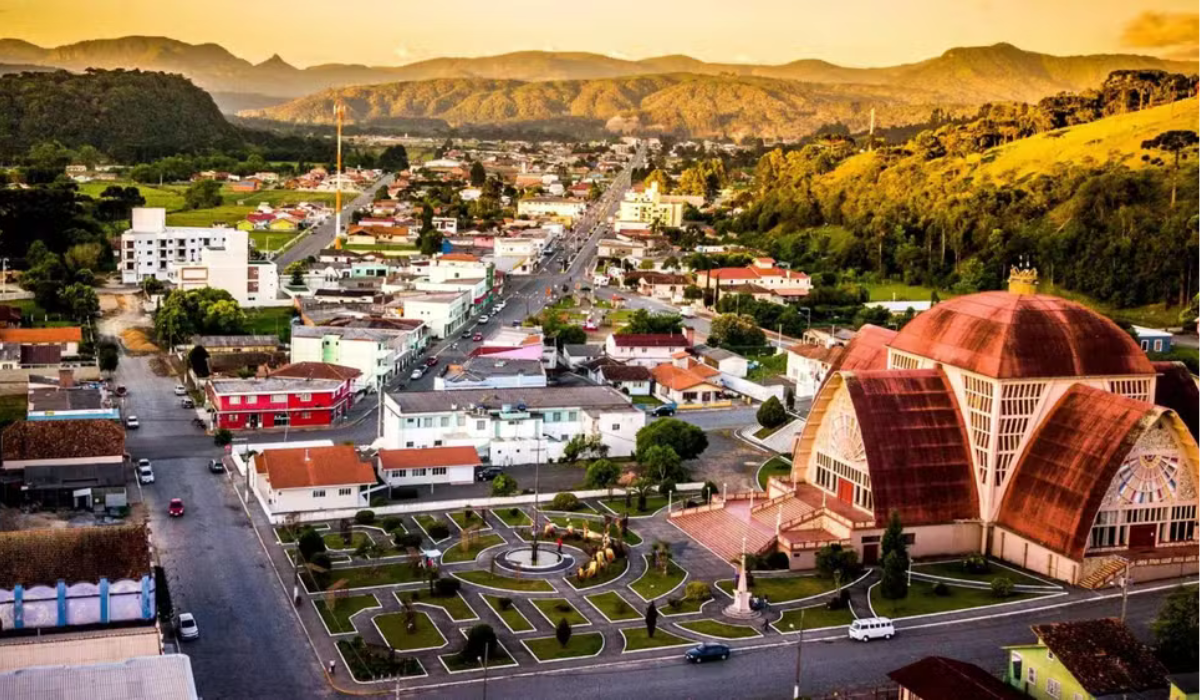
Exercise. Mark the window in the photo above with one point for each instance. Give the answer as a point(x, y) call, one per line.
point(397, 473)
point(1032, 677)
point(1016, 665)
point(1158, 346)
point(345, 492)
point(306, 414)
point(437, 443)
point(278, 398)
point(616, 426)
point(408, 444)
point(1049, 655)
point(572, 416)
point(252, 398)
point(444, 422)
point(235, 400)
point(480, 425)
point(427, 422)
point(438, 471)
point(282, 419)
point(1053, 689)
point(306, 397)
point(319, 493)
point(419, 472)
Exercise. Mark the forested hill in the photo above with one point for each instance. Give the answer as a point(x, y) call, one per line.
point(129, 115)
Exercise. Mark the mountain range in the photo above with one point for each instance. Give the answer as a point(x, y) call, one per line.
point(969, 75)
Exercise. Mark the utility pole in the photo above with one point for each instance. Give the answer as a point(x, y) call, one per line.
point(799, 652)
point(4, 279)
point(486, 647)
point(1124, 590)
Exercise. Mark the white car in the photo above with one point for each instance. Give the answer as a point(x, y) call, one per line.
point(417, 373)
point(483, 318)
point(867, 628)
point(180, 390)
point(131, 423)
point(145, 472)
point(187, 627)
point(500, 306)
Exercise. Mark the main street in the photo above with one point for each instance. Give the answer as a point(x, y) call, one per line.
point(321, 236)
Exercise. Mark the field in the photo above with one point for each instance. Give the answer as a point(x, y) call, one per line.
point(271, 320)
point(268, 241)
point(921, 600)
point(898, 291)
point(232, 210)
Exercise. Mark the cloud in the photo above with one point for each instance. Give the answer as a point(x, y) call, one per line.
point(1176, 34)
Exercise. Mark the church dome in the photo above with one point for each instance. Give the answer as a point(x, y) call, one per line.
point(1013, 336)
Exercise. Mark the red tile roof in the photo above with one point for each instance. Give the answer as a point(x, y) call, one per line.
point(303, 467)
point(916, 445)
point(1176, 390)
point(818, 353)
point(1003, 335)
point(316, 370)
point(625, 373)
point(679, 379)
point(76, 554)
point(69, 334)
point(866, 350)
point(62, 439)
point(459, 257)
point(1103, 656)
point(1056, 488)
point(939, 678)
point(651, 340)
point(429, 457)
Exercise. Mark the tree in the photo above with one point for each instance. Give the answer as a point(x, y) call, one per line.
point(736, 332)
point(225, 317)
point(602, 474)
point(478, 174)
point(835, 560)
point(571, 335)
point(687, 440)
point(430, 242)
point(504, 485)
point(894, 548)
point(108, 356)
point(563, 632)
point(651, 619)
point(222, 437)
point(663, 463)
point(692, 292)
point(198, 360)
point(80, 301)
point(152, 286)
point(1175, 630)
point(309, 543)
point(642, 321)
point(393, 158)
point(479, 638)
point(1174, 142)
point(771, 413)
point(205, 194)
point(660, 178)
point(296, 271)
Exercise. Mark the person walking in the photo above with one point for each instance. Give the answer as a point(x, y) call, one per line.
point(332, 667)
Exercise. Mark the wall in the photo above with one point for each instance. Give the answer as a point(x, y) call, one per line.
point(1011, 547)
point(453, 475)
point(128, 600)
point(752, 389)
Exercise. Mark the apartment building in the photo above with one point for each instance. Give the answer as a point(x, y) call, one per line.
point(444, 313)
point(304, 395)
point(651, 206)
point(377, 353)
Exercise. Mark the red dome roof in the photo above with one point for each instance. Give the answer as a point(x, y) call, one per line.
point(1012, 336)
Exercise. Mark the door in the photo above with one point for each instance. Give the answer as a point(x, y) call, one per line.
point(870, 554)
point(845, 490)
point(1143, 536)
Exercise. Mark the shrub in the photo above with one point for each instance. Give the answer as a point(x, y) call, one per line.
point(839, 600)
point(1002, 587)
point(390, 523)
point(504, 485)
point(697, 590)
point(563, 632)
point(479, 638)
point(404, 493)
point(438, 531)
point(222, 437)
point(941, 589)
point(667, 487)
point(976, 564)
point(563, 607)
point(406, 540)
point(514, 512)
point(771, 414)
point(446, 587)
point(378, 502)
point(505, 603)
point(310, 542)
point(834, 557)
point(777, 560)
point(365, 517)
point(674, 603)
point(564, 501)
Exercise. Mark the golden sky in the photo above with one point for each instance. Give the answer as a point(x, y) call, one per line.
point(393, 32)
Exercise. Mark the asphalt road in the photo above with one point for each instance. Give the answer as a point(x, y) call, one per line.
point(321, 236)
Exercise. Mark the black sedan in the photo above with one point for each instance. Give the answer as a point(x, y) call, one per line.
point(707, 651)
point(487, 473)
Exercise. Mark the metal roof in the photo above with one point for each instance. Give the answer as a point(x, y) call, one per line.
point(145, 678)
point(533, 397)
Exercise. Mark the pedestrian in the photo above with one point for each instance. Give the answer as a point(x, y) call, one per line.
point(766, 624)
point(332, 667)
point(559, 545)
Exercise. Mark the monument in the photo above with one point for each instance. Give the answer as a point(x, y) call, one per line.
point(741, 607)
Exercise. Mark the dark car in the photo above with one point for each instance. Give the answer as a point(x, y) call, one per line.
point(487, 473)
point(431, 361)
point(187, 403)
point(466, 333)
point(216, 466)
point(707, 651)
point(667, 409)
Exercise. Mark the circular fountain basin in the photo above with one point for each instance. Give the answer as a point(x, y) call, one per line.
point(548, 560)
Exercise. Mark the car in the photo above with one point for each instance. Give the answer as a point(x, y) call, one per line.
point(867, 628)
point(187, 403)
point(466, 333)
point(484, 318)
point(145, 472)
point(488, 473)
point(667, 409)
point(431, 361)
point(121, 390)
point(180, 390)
point(216, 466)
point(516, 323)
point(707, 651)
point(417, 373)
point(131, 423)
point(477, 337)
point(187, 627)
point(500, 306)
point(175, 508)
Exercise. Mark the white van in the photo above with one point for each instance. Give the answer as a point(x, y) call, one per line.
point(868, 628)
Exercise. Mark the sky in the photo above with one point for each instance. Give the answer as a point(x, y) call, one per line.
point(395, 32)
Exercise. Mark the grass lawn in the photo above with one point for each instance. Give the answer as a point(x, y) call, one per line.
point(486, 578)
point(654, 583)
point(520, 519)
point(168, 197)
point(271, 320)
point(13, 407)
point(464, 522)
point(334, 540)
point(782, 589)
point(426, 636)
point(455, 553)
point(921, 600)
point(426, 521)
point(721, 630)
point(764, 433)
point(584, 508)
point(898, 291)
point(954, 569)
point(376, 575)
point(551, 608)
point(646, 401)
point(512, 616)
point(338, 619)
point(612, 605)
point(653, 503)
point(815, 618)
point(34, 316)
point(454, 606)
point(767, 367)
point(776, 466)
point(685, 607)
point(614, 571)
point(496, 659)
point(271, 241)
point(637, 639)
point(548, 648)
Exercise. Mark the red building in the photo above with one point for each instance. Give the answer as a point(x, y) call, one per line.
point(300, 395)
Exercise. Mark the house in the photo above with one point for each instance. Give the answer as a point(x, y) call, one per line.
point(66, 339)
point(70, 403)
point(245, 186)
point(303, 479)
point(1184, 686)
point(621, 250)
point(303, 395)
point(762, 273)
point(808, 365)
point(647, 350)
point(430, 465)
point(940, 678)
point(662, 285)
point(723, 360)
point(230, 344)
point(633, 380)
point(71, 463)
point(1086, 659)
point(54, 579)
point(688, 384)
point(376, 353)
point(827, 337)
point(576, 355)
point(487, 372)
point(511, 426)
point(52, 667)
point(1153, 339)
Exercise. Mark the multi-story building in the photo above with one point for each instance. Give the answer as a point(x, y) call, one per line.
point(652, 207)
point(377, 353)
point(561, 208)
point(512, 426)
point(444, 313)
point(648, 350)
point(301, 395)
point(462, 272)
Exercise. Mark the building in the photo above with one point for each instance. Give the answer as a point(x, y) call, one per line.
point(1184, 686)
point(1086, 659)
point(70, 403)
point(648, 350)
point(808, 365)
point(621, 250)
point(940, 678)
point(71, 463)
point(377, 353)
point(462, 272)
point(662, 285)
point(302, 479)
point(576, 355)
point(193, 258)
point(652, 207)
point(511, 426)
point(566, 210)
point(1014, 424)
point(1153, 339)
point(632, 380)
point(65, 339)
point(444, 313)
point(723, 360)
point(762, 273)
point(166, 677)
point(688, 383)
point(488, 372)
point(304, 395)
point(236, 344)
point(430, 465)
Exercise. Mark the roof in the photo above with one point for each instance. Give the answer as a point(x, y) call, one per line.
point(1187, 682)
point(78, 648)
point(1009, 336)
point(10, 314)
point(165, 677)
point(718, 354)
point(75, 554)
point(316, 370)
point(626, 373)
point(939, 678)
point(581, 350)
point(274, 385)
point(65, 439)
point(303, 467)
point(1067, 467)
point(41, 354)
point(1176, 389)
point(462, 456)
point(68, 334)
point(916, 445)
point(535, 398)
point(75, 399)
point(866, 350)
point(818, 353)
point(1103, 656)
point(680, 379)
point(458, 257)
point(651, 340)
point(235, 341)
point(373, 335)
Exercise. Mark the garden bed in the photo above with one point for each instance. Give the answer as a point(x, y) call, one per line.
point(638, 639)
point(337, 621)
point(521, 519)
point(425, 521)
point(367, 576)
point(921, 600)
point(686, 606)
point(653, 505)
point(720, 630)
point(490, 580)
point(615, 570)
point(373, 662)
point(654, 584)
point(499, 659)
point(783, 589)
point(612, 606)
point(631, 538)
point(514, 618)
point(464, 522)
point(814, 618)
point(334, 541)
point(954, 569)
point(454, 553)
point(426, 636)
point(580, 645)
point(455, 606)
point(551, 610)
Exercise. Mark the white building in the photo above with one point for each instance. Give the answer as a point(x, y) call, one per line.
point(430, 465)
point(808, 365)
point(444, 313)
point(512, 426)
point(193, 258)
point(446, 224)
point(559, 207)
point(651, 206)
point(646, 350)
point(376, 352)
point(311, 478)
point(485, 372)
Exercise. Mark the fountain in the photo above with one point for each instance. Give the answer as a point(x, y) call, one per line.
point(528, 558)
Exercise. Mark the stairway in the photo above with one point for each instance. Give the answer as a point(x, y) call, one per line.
point(1102, 575)
point(792, 508)
point(722, 533)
